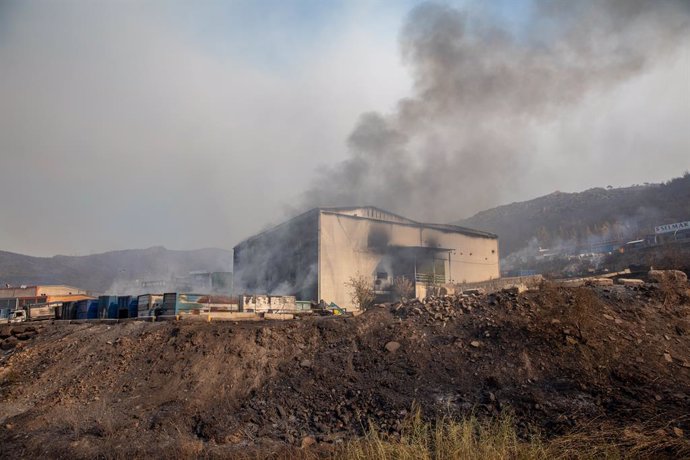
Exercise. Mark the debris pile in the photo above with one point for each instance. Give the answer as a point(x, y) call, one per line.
point(10, 337)
point(559, 358)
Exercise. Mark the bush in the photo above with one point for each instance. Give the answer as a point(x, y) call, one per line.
point(403, 288)
point(362, 292)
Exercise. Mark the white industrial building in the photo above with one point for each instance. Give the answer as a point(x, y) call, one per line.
point(313, 255)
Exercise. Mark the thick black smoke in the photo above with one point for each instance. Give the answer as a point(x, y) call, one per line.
point(482, 89)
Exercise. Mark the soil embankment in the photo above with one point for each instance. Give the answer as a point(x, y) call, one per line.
point(560, 359)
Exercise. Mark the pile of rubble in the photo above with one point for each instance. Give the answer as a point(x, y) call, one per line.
point(11, 336)
point(558, 358)
point(445, 308)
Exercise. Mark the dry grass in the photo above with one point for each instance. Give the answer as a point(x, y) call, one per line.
point(497, 439)
point(468, 438)
point(403, 287)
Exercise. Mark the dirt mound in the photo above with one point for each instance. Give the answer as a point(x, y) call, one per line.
point(559, 358)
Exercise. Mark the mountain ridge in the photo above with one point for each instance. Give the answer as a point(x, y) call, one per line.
point(98, 272)
point(588, 217)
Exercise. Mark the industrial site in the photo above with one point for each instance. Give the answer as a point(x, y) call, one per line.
point(345, 229)
point(343, 320)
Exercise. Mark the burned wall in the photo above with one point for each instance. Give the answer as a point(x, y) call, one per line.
point(351, 246)
point(281, 261)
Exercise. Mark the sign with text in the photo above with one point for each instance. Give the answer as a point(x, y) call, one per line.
point(672, 227)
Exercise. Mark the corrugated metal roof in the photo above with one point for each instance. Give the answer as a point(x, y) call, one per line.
point(384, 217)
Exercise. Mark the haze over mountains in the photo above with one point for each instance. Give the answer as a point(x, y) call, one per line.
point(594, 215)
point(99, 272)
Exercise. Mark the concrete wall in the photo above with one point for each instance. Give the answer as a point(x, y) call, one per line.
point(344, 254)
point(37, 291)
point(350, 246)
point(59, 290)
point(471, 259)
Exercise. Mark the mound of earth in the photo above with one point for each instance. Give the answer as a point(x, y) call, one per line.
point(559, 359)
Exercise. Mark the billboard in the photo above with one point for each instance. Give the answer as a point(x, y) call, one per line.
point(668, 228)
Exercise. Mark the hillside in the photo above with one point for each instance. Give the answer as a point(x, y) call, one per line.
point(98, 272)
point(591, 216)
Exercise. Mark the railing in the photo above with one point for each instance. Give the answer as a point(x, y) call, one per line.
point(430, 278)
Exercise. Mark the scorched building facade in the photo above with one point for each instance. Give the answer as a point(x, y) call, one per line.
point(313, 255)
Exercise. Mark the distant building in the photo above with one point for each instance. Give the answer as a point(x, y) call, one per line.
point(312, 256)
point(196, 281)
point(12, 298)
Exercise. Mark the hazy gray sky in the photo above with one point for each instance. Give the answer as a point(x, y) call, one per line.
point(196, 124)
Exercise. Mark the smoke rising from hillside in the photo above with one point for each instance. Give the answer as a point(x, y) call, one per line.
point(482, 91)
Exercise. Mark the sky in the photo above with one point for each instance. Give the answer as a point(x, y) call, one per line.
point(197, 124)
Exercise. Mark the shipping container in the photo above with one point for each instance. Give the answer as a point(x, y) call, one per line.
point(149, 305)
point(126, 307)
point(181, 303)
point(268, 303)
point(107, 306)
point(68, 310)
point(87, 309)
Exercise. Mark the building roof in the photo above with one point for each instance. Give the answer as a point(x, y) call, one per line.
point(381, 215)
point(400, 219)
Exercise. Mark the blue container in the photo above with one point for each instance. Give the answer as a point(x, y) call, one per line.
point(87, 309)
point(92, 309)
point(126, 306)
point(107, 306)
point(133, 308)
point(68, 310)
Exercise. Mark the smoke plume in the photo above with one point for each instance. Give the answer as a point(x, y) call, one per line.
point(482, 90)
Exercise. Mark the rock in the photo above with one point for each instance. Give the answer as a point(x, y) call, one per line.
point(630, 282)
point(475, 343)
point(9, 343)
point(308, 441)
point(600, 282)
point(668, 357)
point(570, 283)
point(673, 276)
point(515, 290)
point(392, 346)
point(305, 363)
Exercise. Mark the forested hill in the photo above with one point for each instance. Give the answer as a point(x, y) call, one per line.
point(592, 216)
